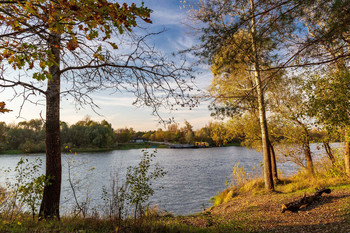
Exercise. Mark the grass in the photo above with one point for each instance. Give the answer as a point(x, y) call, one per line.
point(11, 152)
point(24, 223)
point(241, 213)
point(250, 183)
point(232, 144)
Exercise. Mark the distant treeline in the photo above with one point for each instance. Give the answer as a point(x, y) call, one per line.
point(212, 133)
point(29, 136)
point(240, 130)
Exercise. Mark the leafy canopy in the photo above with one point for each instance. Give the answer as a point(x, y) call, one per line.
point(27, 25)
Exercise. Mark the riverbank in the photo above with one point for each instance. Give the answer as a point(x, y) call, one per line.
point(262, 213)
point(120, 146)
point(246, 212)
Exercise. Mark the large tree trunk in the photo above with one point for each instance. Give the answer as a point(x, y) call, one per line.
point(51, 198)
point(269, 186)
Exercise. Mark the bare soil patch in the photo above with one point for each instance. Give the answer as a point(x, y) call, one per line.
point(263, 213)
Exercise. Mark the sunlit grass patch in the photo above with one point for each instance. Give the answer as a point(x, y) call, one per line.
point(245, 183)
point(254, 186)
point(223, 197)
point(302, 181)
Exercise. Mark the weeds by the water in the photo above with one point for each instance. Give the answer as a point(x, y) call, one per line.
point(327, 174)
point(20, 200)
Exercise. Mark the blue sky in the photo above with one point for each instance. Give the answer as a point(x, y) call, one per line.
point(117, 108)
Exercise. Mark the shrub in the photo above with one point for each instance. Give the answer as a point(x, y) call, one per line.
point(132, 192)
point(27, 189)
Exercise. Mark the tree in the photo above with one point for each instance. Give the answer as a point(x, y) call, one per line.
point(322, 26)
point(219, 133)
point(246, 129)
point(288, 102)
point(139, 181)
point(328, 86)
point(3, 136)
point(88, 133)
point(124, 135)
point(76, 42)
point(241, 39)
point(203, 134)
point(329, 103)
point(188, 133)
point(159, 135)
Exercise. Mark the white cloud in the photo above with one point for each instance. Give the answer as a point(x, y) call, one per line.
point(114, 101)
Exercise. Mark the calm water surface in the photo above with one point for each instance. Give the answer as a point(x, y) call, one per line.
point(194, 175)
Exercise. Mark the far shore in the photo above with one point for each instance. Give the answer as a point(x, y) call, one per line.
point(120, 146)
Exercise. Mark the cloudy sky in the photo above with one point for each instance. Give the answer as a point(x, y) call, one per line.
point(117, 108)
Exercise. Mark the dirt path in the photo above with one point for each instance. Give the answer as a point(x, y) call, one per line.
point(263, 213)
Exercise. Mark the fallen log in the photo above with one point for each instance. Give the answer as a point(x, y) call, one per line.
point(295, 206)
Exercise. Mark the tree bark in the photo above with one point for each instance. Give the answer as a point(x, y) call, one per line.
point(329, 152)
point(273, 163)
point(269, 186)
point(51, 197)
point(308, 157)
point(268, 178)
point(295, 206)
point(307, 150)
point(347, 152)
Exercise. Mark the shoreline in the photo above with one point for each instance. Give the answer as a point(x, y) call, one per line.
point(121, 146)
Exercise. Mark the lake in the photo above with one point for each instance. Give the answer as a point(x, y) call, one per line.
point(194, 175)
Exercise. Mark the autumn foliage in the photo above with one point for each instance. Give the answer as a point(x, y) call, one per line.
point(76, 21)
point(2, 107)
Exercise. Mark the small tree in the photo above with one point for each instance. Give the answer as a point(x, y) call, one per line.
point(29, 184)
point(289, 104)
point(139, 181)
point(329, 103)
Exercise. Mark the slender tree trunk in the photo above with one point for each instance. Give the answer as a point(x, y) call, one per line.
point(347, 152)
point(308, 158)
point(307, 150)
point(329, 152)
point(51, 197)
point(273, 162)
point(269, 186)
